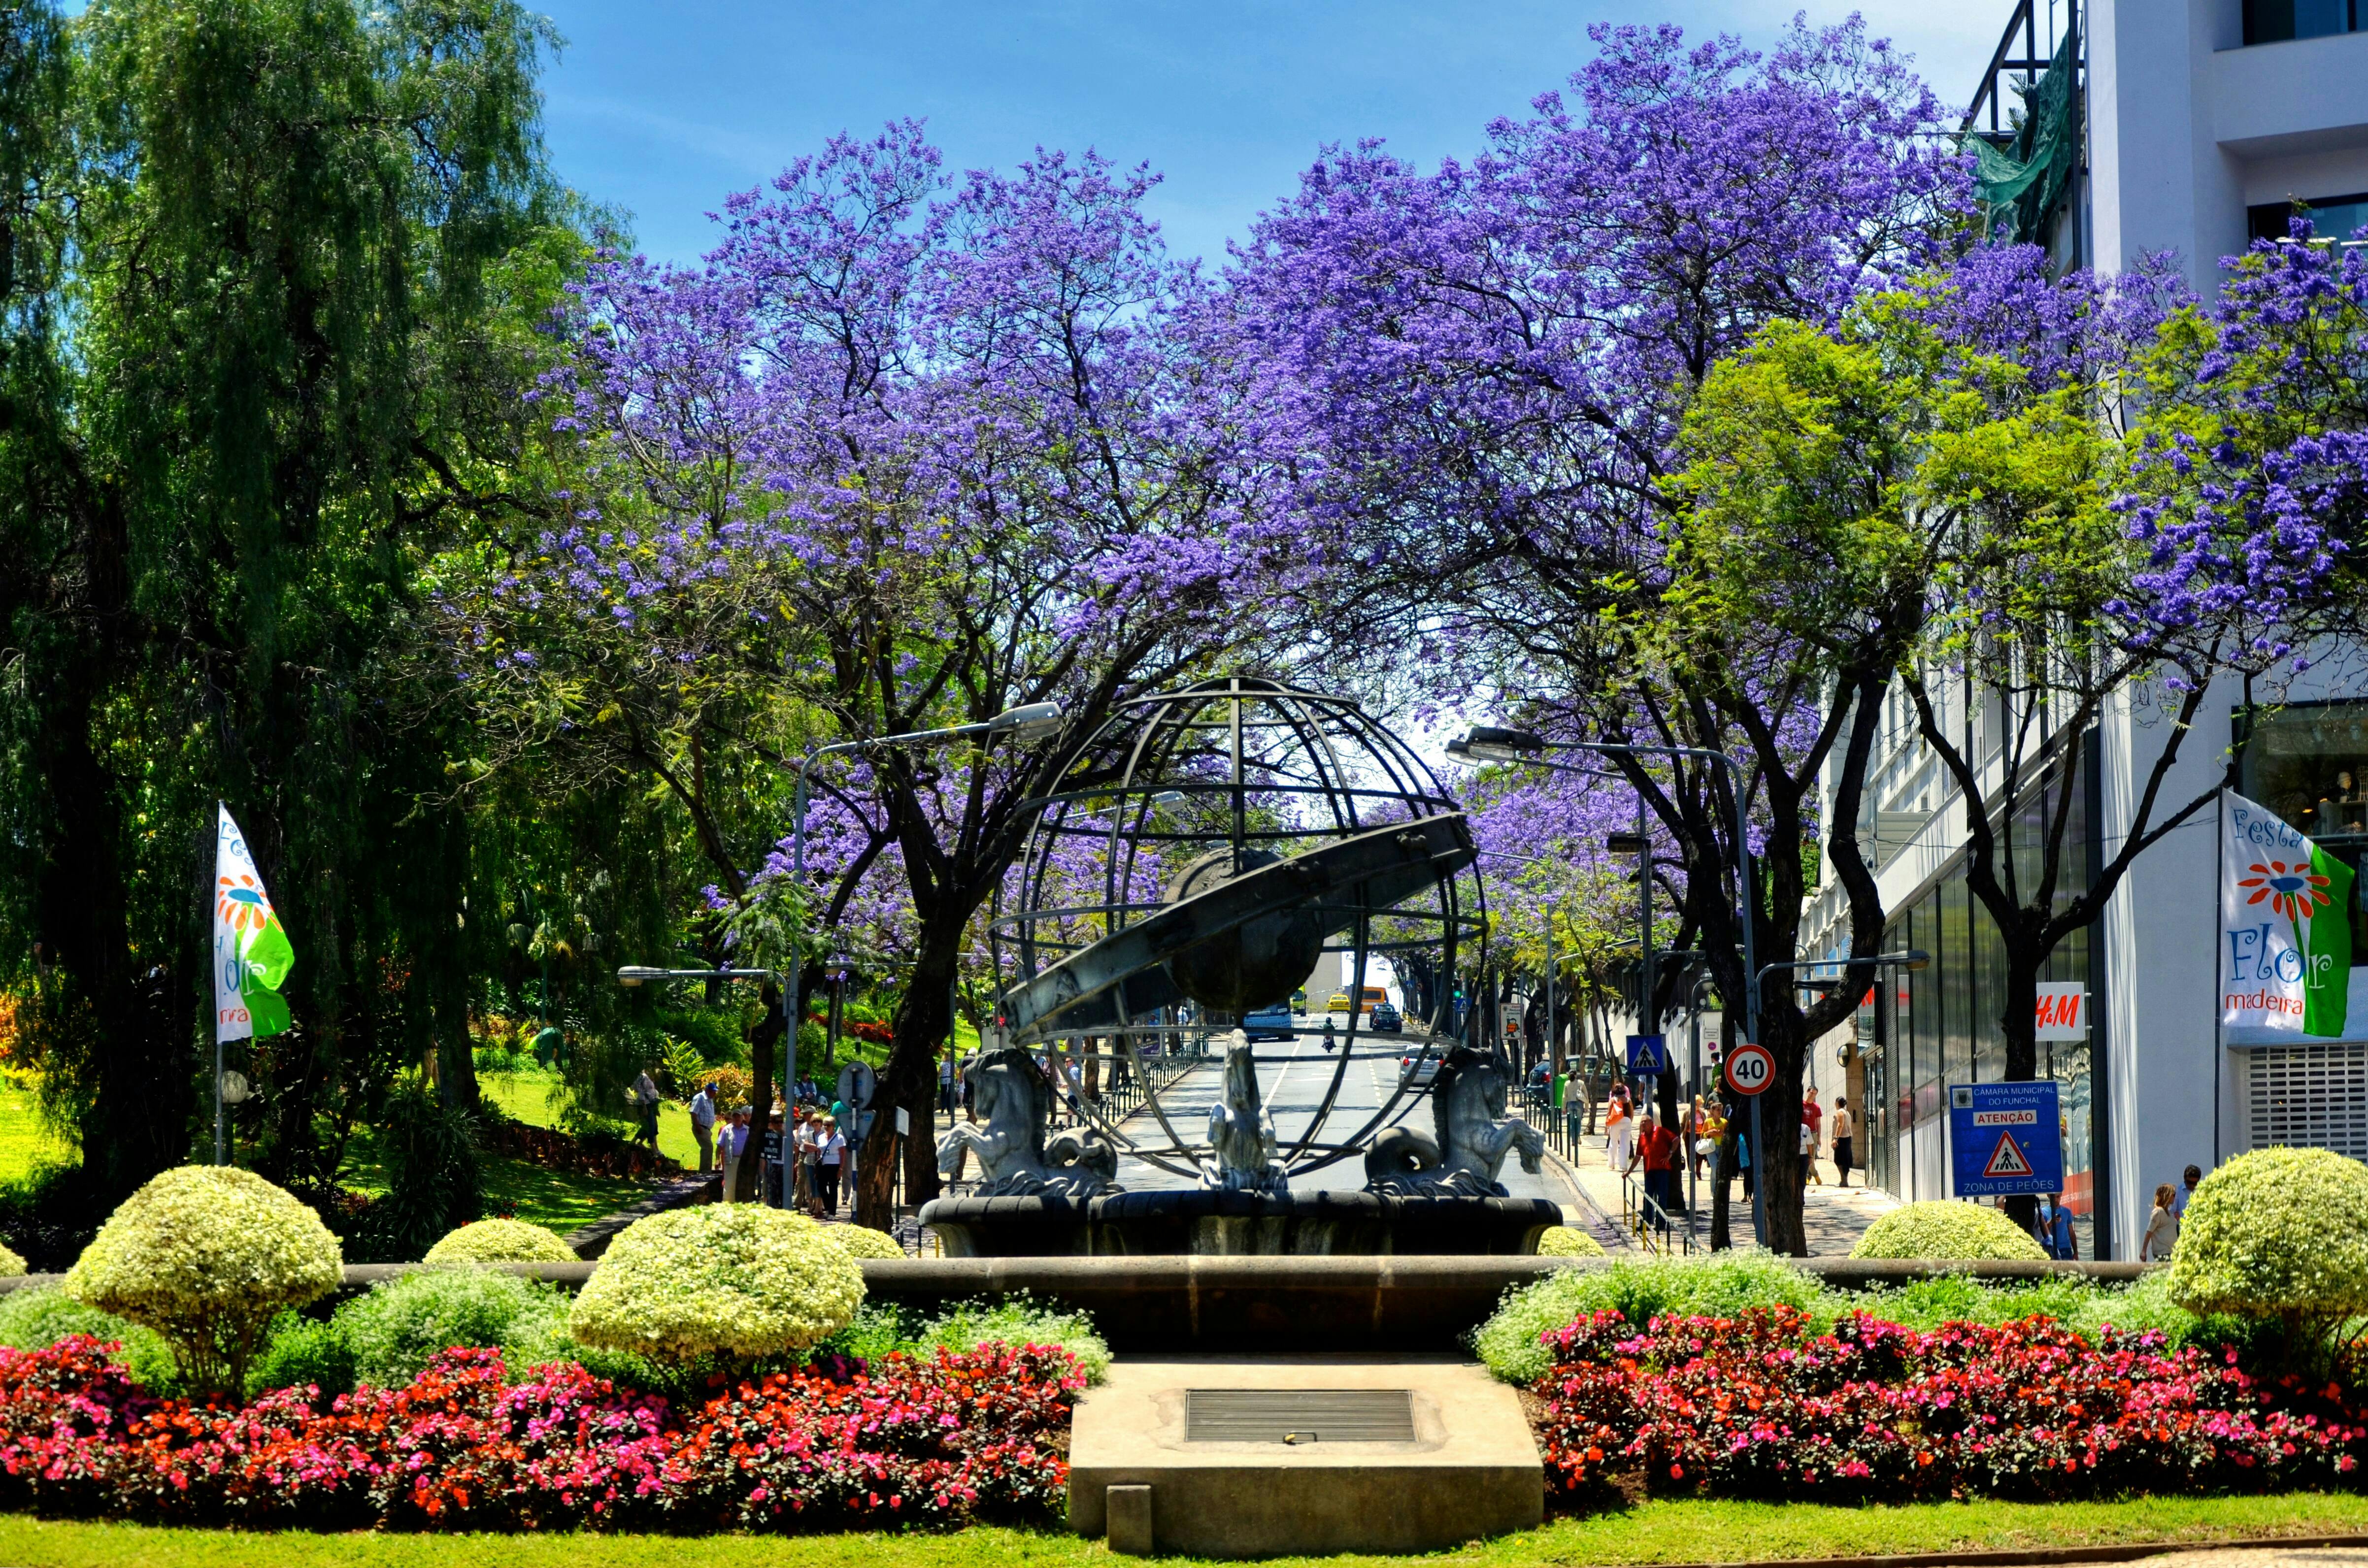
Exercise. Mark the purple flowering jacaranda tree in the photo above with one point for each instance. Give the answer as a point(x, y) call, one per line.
point(958, 448)
point(1495, 361)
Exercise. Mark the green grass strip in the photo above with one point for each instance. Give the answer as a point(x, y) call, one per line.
point(1654, 1533)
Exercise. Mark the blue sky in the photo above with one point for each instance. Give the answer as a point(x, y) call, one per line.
point(661, 109)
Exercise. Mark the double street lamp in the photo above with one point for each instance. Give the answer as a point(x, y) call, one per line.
point(1027, 723)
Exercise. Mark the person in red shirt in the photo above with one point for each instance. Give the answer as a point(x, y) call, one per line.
point(1813, 1114)
point(1656, 1150)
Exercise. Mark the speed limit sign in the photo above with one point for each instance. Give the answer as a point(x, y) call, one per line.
point(1749, 1068)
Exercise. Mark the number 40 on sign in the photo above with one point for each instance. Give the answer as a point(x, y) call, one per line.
point(1749, 1068)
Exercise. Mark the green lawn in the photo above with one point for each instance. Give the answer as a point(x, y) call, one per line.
point(1657, 1532)
point(560, 1200)
point(25, 1144)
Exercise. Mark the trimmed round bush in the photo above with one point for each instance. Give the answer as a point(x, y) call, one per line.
point(500, 1241)
point(394, 1331)
point(12, 1267)
point(1942, 1231)
point(1569, 1241)
point(207, 1255)
point(862, 1240)
point(732, 1282)
point(2278, 1233)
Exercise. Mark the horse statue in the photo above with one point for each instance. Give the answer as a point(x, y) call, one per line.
point(1473, 1135)
point(1013, 1101)
point(1241, 1133)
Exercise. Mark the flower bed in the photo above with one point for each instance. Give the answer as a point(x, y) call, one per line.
point(1761, 1406)
point(947, 1439)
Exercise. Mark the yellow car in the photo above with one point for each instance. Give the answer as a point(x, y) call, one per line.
point(1339, 1003)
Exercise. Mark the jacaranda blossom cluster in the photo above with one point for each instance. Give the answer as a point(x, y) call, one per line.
point(965, 1436)
point(1761, 1406)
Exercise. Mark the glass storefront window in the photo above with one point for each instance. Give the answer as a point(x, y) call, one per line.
point(2309, 764)
point(1946, 1022)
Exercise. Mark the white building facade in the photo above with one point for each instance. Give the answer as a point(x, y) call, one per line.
point(2196, 126)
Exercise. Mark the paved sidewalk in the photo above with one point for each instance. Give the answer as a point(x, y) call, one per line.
point(1833, 1217)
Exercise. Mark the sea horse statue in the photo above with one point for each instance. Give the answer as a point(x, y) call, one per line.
point(1241, 1133)
point(1467, 1107)
point(1014, 1102)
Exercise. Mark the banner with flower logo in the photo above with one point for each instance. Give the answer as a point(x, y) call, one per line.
point(252, 954)
point(2285, 925)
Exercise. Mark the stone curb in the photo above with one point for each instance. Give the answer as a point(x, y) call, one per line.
point(2119, 1552)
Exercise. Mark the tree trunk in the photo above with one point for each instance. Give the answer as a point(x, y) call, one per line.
point(748, 1184)
point(2020, 1026)
point(1776, 1159)
point(138, 1121)
point(910, 1078)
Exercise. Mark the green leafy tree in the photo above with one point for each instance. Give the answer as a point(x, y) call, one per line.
point(273, 266)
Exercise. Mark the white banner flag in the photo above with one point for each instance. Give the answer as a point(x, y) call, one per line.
point(252, 955)
point(2285, 925)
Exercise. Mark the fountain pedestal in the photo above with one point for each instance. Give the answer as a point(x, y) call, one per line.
point(1215, 1223)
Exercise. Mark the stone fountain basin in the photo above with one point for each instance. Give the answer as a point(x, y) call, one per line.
point(1238, 1224)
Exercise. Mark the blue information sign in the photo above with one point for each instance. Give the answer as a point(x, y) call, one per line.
point(1648, 1055)
point(2004, 1138)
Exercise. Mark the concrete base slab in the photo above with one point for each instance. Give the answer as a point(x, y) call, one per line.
point(1245, 1468)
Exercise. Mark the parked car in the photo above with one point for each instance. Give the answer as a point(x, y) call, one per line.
point(1419, 1071)
point(1386, 1019)
point(1270, 1023)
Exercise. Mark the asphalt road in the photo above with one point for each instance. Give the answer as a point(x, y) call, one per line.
point(1293, 1076)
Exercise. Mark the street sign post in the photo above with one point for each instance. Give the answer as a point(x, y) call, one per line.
point(2004, 1138)
point(1648, 1055)
point(856, 1083)
point(1749, 1068)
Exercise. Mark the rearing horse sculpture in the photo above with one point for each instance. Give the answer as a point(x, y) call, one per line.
point(1013, 1102)
point(1467, 1106)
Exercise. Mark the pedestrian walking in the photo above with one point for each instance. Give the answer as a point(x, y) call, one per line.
point(1711, 1132)
point(946, 1072)
point(804, 1176)
point(703, 1126)
point(1656, 1150)
point(2055, 1230)
point(2179, 1206)
point(732, 1142)
point(1845, 1147)
point(830, 1153)
point(646, 1099)
point(1813, 1117)
point(1808, 1157)
point(2162, 1228)
point(1620, 1129)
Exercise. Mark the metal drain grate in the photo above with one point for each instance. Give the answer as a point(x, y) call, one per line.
point(1298, 1415)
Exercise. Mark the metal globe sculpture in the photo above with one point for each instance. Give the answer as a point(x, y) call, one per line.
point(1195, 859)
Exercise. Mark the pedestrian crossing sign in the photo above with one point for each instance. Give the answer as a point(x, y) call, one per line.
point(2004, 1138)
point(2006, 1160)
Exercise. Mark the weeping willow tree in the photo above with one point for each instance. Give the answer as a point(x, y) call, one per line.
point(270, 272)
